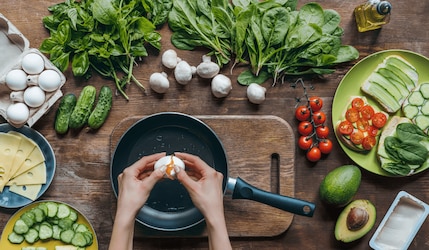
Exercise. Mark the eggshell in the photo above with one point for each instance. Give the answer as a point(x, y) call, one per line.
point(16, 79)
point(34, 96)
point(164, 161)
point(49, 80)
point(32, 63)
point(18, 113)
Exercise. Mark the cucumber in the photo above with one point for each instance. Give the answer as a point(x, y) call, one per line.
point(389, 103)
point(83, 108)
point(67, 104)
point(15, 238)
point(51, 220)
point(102, 109)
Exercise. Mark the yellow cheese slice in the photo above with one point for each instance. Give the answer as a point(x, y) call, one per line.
point(9, 144)
point(26, 146)
point(35, 158)
point(28, 191)
point(36, 175)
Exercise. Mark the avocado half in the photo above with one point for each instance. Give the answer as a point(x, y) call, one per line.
point(363, 223)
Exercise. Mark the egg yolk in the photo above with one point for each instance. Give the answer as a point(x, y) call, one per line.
point(170, 167)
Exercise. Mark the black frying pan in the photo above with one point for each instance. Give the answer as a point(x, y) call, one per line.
point(169, 207)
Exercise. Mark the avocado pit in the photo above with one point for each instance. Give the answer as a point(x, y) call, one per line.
point(357, 218)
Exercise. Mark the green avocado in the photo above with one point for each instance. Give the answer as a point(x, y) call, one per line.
point(340, 185)
point(356, 220)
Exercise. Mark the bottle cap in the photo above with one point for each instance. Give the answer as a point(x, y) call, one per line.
point(384, 7)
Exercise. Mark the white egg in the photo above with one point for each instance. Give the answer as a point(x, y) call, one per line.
point(34, 96)
point(49, 80)
point(169, 162)
point(17, 113)
point(32, 63)
point(16, 79)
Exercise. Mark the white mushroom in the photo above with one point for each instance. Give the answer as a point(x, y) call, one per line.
point(207, 68)
point(183, 72)
point(169, 59)
point(159, 82)
point(256, 93)
point(221, 86)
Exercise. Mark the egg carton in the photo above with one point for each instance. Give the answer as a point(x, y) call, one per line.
point(14, 46)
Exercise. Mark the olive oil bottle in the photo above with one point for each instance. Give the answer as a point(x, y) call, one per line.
point(372, 15)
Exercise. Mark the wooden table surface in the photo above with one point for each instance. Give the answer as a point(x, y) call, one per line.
point(83, 159)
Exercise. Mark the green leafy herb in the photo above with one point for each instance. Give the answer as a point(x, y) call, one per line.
point(107, 36)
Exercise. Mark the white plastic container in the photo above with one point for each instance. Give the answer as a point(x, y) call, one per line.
point(13, 48)
point(400, 224)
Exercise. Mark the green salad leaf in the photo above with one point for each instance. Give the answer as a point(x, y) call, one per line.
point(105, 36)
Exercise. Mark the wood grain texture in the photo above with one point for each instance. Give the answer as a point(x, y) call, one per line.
point(249, 157)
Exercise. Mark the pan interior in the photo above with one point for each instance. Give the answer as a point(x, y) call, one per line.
point(169, 206)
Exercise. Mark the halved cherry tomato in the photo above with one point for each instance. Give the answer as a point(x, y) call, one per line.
point(302, 113)
point(314, 154)
point(356, 137)
point(322, 131)
point(319, 117)
point(358, 103)
point(352, 115)
point(366, 112)
point(362, 124)
point(345, 127)
point(369, 142)
point(325, 146)
point(372, 130)
point(305, 142)
point(379, 120)
point(305, 128)
point(316, 103)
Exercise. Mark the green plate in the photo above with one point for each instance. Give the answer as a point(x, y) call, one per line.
point(350, 86)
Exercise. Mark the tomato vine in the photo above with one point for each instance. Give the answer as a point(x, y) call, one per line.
point(311, 128)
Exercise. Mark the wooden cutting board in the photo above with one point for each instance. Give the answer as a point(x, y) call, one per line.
point(261, 151)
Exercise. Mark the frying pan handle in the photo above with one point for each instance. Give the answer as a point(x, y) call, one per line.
point(243, 190)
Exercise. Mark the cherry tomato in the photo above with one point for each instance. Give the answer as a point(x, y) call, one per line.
point(302, 113)
point(369, 142)
point(352, 115)
point(372, 130)
point(305, 142)
point(379, 120)
point(322, 131)
point(358, 103)
point(316, 103)
point(314, 154)
point(325, 146)
point(356, 137)
point(319, 117)
point(305, 128)
point(345, 127)
point(366, 112)
point(362, 124)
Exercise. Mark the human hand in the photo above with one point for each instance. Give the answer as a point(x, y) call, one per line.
point(204, 185)
point(136, 182)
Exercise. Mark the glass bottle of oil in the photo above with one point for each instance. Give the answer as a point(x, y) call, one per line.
point(372, 15)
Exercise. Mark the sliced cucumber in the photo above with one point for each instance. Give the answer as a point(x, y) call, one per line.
point(404, 66)
point(15, 238)
point(45, 231)
point(422, 122)
point(424, 89)
point(388, 86)
point(63, 211)
point(389, 103)
point(401, 75)
point(410, 111)
point(31, 236)
point(416, 98)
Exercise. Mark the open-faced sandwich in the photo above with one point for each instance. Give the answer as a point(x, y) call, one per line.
point(361, 124)
point(403, 147)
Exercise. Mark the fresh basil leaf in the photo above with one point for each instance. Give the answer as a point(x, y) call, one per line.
point(80, 63)
point(104, 11)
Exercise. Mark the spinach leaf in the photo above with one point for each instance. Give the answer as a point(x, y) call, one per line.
point(407, 152)
point(396, 168)
point(410, 132)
